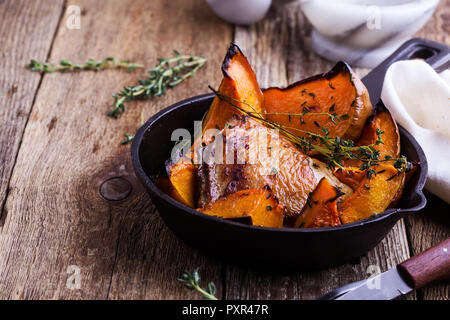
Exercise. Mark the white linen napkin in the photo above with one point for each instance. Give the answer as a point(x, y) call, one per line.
point(419, 100)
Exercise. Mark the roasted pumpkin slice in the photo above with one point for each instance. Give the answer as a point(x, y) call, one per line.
point(289, 173)
point(338, 92)
point(165, 185)
point(182, 176)
point(239, 85)
point(383, 122)
point(258, 204)
point(408, 175)
point(351, 176)
point(321, 208)
point(373, 196)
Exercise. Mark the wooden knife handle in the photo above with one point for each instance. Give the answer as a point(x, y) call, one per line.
point(432, 264)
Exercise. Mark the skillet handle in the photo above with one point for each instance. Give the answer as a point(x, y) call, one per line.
point(430, 265)
point(436, 54)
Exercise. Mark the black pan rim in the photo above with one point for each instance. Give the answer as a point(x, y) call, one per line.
point(401, 212)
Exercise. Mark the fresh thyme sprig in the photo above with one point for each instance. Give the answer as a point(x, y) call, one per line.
point(334, 150)
point(66, 65)
point(167, 74)
point(128, 138)
point(192, 282)
point(306, 112)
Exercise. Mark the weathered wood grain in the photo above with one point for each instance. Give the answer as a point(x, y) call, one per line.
point(280, 46)
point(56, 216)
point(438, 27)
point(30, 26)
point(426, 229)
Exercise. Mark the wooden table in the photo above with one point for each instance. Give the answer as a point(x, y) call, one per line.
point(57, 146)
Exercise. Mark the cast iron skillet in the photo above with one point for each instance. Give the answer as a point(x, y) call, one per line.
point(286, 248)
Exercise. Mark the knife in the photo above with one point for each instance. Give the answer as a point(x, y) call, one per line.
point(432, 264)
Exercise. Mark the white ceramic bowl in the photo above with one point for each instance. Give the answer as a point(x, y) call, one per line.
point(241, 12)
point(364, 32)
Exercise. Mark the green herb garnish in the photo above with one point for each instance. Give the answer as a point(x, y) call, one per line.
point(167, 74)
point(333, 150)
point(192, 282)
point(66, 65)
point(128, 138)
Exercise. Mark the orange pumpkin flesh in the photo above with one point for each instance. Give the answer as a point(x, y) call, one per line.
point(258, 204)
point(291, 178)
point(236, 191)
point(165, 185)
point(321, 210)
point(391, 137)
point(373, 195)
point(350, 176)
point(239, 84)
point(182, 177)
point(338, 91)
point(408, 175)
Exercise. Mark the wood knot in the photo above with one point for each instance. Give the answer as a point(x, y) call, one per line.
point(115, 189)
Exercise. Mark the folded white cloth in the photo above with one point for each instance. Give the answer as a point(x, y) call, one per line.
point(419, 100)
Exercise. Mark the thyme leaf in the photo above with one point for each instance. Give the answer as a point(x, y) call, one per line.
point(66, 65)
point(166, 74)
point(332, 149)
point(192, 282)
point(128, 138)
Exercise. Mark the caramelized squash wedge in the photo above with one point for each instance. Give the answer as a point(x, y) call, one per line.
point(337, 91)
point(239, 84)
point(165, 185)
point(373, 196)
point(182, 177)
point(351, 176)
point(382, 121)
point(290, 188)
point(321, 209)
point(289, 173)
point(408, 175)
point(258, 204)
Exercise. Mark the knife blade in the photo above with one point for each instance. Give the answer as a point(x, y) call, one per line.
point(384, 286)
point(432, 264)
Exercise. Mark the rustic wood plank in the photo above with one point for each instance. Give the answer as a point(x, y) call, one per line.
point(438, 27)
point(30, 26)
point(432, 225)
point(56, 217)
point(279, 50)
point(427, 229)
